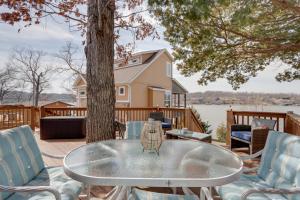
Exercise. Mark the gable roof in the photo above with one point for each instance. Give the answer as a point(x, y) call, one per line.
point(78, 79)
point(47, 103)
point(177, 88)
point(128, 74)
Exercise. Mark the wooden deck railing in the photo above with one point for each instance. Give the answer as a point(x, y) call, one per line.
point(292, 123)
point(181, 117)
point(285, 122)
point(17, 115)
point(71, 111)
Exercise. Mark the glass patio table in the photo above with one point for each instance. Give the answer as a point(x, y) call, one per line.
point(180, 163)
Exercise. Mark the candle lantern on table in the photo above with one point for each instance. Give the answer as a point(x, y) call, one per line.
point(151, 136)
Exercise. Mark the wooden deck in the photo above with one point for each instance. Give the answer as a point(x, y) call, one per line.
point(62, 147)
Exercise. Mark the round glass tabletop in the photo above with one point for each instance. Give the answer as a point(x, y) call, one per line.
point(180, 163)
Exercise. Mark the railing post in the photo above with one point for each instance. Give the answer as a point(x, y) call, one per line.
point(187, 118)
point(32, 117)
point(292, 123)
point(42, 114)
point(230, 121)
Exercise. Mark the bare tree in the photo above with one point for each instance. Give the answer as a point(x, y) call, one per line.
point(31, 70)
point(68, 55)
point(7, 81)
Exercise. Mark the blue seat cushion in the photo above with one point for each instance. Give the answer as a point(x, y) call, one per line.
point(137, 194)
point(244, 135)
point(166, 125)
point(56, 178)
point(20, 157)
point(280, 162)
point(233, 191)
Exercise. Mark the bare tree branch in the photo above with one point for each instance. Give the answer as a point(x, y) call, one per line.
point(31, 70)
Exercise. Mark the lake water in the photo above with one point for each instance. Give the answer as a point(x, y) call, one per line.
point(216, 114)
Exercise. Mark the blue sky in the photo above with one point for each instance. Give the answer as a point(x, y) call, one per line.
point(51, 36)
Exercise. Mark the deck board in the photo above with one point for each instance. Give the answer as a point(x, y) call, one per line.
point(63, 146)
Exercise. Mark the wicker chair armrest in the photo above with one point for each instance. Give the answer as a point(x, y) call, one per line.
point(31, 189)
point(252, 156)
point(260, 131)
point(259, 135)
point(270, 191)
point(240, 127)
point(205, 194)
point(53, 156)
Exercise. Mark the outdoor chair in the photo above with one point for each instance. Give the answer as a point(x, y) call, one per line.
point(133, 130)
point(253, 136)
point(120, 129)
point(165, 122)
point(24, 175)
point(277, 177)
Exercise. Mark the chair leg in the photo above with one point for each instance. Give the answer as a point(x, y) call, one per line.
point(88, 191)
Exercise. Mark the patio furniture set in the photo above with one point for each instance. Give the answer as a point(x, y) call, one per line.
point(122, 163)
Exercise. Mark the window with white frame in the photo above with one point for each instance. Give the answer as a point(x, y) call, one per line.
point(81, 93)
point(122, 91)
point(168, 98)
point(169, 69)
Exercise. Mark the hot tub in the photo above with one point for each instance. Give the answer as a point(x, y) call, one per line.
point(62, 127)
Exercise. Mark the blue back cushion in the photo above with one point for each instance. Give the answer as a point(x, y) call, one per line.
point(256, 122)
point(20, 157)
point(134, 129)
point(280, 162)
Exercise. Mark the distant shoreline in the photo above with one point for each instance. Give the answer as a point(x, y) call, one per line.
point(243, 98)
point(246, 104)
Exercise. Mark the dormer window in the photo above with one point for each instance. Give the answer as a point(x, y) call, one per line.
point(134, 61)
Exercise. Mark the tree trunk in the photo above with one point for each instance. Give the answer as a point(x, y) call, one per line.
point(33, 93)
point(100, 76)
point(37, 92)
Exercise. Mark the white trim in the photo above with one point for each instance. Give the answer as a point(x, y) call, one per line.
point(119, 90)
point(158, 89)
point(169, 69)
point(128, 100)
point(129, 95)
point(138, 54)
point(122, 101)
